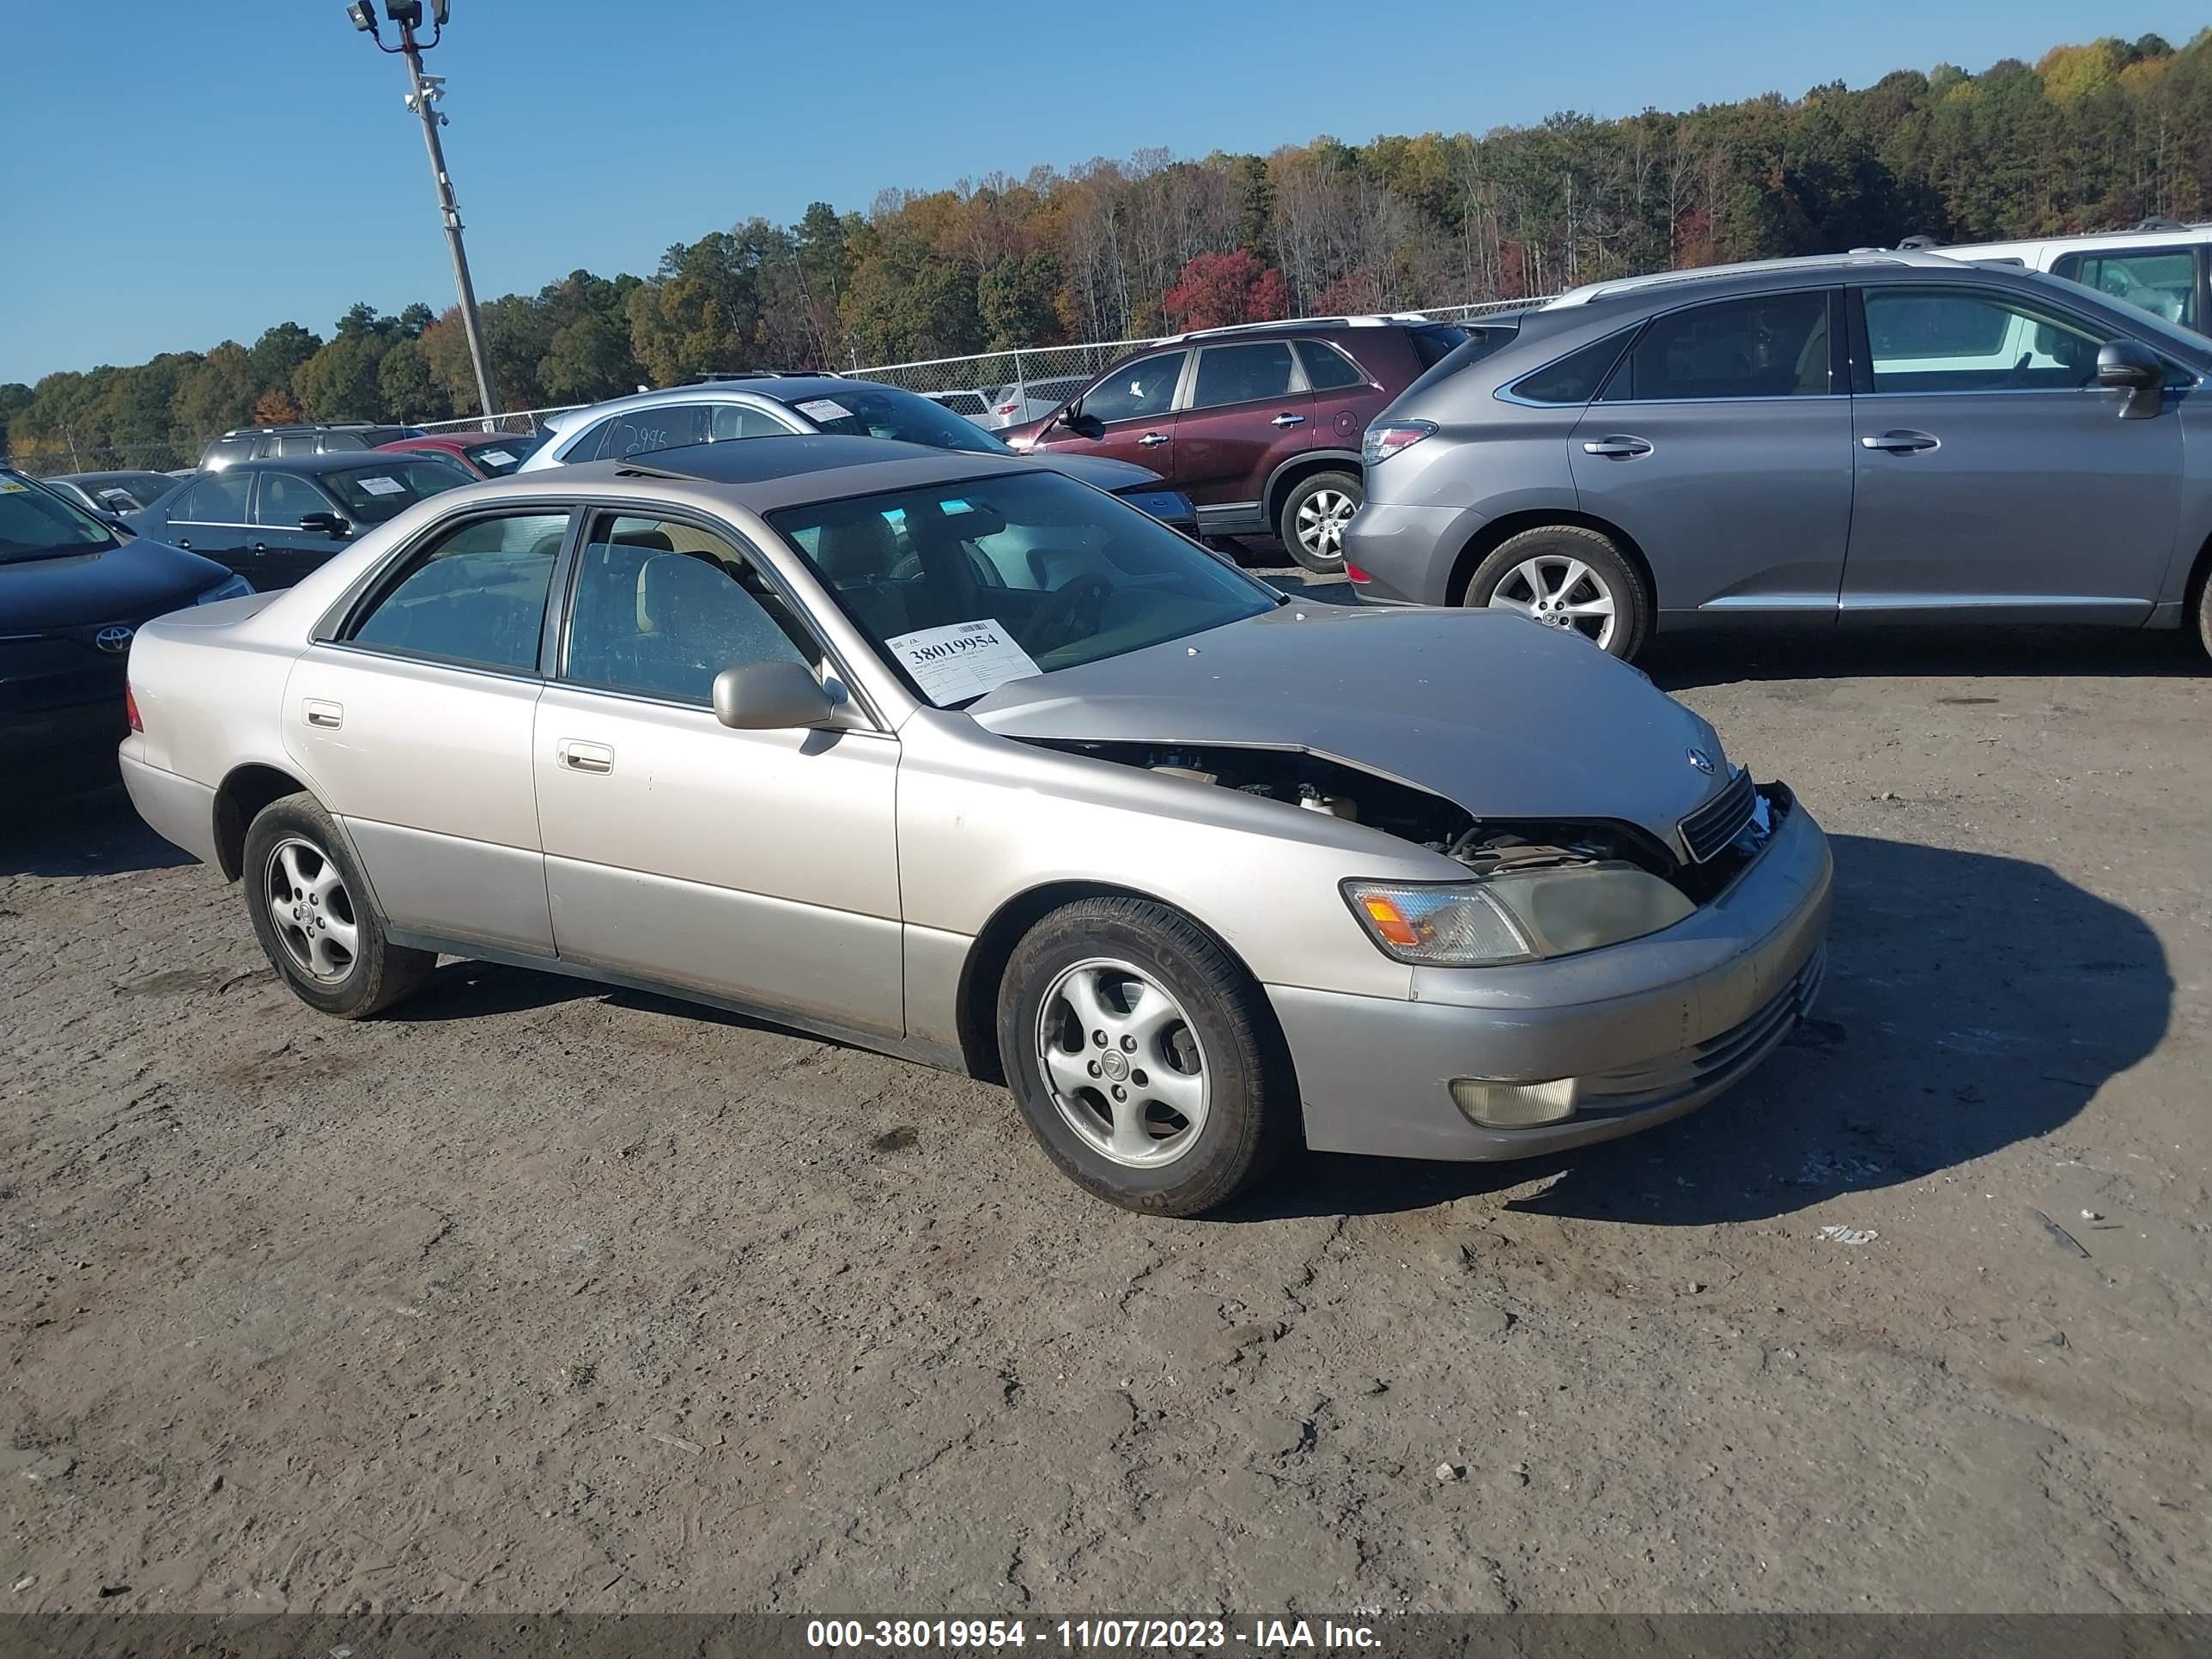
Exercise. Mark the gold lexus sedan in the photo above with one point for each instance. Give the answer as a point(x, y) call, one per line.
point(966, 762)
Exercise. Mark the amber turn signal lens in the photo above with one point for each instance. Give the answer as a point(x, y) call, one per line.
point(1389, 921)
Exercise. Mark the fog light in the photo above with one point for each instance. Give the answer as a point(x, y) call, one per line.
point(1515, 1105)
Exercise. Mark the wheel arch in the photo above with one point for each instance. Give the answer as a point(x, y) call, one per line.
point(244, 790)
point(1497, 531)
point(983, 971)
point(1290, 474)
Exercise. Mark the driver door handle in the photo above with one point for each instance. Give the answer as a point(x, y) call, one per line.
point(585, 756)
point(1901, 442)
point(1621, 448)
point(1150, 439)
point(1288, 420)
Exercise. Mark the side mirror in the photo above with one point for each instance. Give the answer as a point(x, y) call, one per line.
point(115, 522)
point(1076, 420)
point(2124, 366)
point(325, 524)
point(770, 696)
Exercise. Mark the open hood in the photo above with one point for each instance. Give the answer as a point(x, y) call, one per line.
point(1502, 716)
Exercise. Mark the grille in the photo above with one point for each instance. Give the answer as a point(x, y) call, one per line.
point(1715, 824)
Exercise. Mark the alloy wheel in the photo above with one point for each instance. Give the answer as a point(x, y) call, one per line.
point(1559, 591)
point(1123, 1063)
point(1321, 519)
point(313, 912)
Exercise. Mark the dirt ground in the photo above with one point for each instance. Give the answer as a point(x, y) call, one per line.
point(543, 1296)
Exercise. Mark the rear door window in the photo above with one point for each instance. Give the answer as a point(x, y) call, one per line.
point(1772, 345)
point(219, 498)
point(1243, 373)
point(475, 596)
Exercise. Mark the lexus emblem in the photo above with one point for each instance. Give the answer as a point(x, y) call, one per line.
point(115, 641)
point(1702, 761)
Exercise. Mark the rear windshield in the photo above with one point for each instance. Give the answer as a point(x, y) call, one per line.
point(856, 409)
point(1437, 341)
point(384, 489)
point(35, 523)
point(497, 457)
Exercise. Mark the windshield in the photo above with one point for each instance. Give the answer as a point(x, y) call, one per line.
point(497, 457)
point(858, 409)
point(962, 587)
point(36, 523)
point(385, 490)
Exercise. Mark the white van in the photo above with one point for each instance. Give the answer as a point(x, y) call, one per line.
point(2161, 266)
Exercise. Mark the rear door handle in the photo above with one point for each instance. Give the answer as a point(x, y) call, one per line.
point(326, 716)
point(1901, 442)
point(1621, 448)
point(1288, 420)
point(585, 756)
point(1149, 439)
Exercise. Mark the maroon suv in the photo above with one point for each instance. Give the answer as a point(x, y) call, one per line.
point(1259, 426)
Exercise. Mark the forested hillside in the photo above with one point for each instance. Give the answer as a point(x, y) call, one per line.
point(2092, 136)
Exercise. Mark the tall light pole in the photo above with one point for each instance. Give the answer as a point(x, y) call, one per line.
point(423, 99)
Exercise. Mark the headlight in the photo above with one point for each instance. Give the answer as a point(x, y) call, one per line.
point(231, 587)
point(1380, 443)
point(1515, 917)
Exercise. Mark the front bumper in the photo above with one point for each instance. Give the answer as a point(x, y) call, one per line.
point(1655, 1027)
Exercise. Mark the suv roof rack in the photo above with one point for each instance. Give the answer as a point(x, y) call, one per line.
point(1590, 291)
point(714, 374)
point(1367, 320)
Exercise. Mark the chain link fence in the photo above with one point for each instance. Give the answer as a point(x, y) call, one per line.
point(1003, 388)
point(993, 388)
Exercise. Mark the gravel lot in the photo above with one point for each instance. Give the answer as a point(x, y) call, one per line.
point(540, 1297)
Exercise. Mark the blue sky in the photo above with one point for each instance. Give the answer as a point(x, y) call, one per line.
point(186, 171)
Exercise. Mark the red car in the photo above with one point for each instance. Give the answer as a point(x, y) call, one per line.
point(1258, 425)
point(487, 454)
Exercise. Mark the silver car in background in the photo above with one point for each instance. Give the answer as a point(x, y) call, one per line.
point(1880, 437)
point(950, 755)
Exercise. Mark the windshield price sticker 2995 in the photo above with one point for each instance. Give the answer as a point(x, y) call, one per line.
point(1253, 1635)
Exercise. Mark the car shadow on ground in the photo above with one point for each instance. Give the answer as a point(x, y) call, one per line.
point(92, 833)
point(1971, 1001)
point(1682, 662)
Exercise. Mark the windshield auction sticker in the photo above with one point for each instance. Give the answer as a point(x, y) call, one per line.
point(824, 409)
point(381, 486)
point(963, 660)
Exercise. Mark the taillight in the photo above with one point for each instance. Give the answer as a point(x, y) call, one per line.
point(1006, 409)
point(1382, 442)
point(1352, 573)
point(130, 708)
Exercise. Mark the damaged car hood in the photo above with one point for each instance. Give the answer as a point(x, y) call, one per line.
point(1502, 716)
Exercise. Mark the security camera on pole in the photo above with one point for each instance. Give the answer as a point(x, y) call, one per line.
point(428, 90)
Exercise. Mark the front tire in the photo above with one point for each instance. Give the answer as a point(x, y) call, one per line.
point(313, 914)
point(1570, 577)
point(1314, 515)
point(1143, 1057)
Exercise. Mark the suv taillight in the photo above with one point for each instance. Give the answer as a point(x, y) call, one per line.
point(1382, 442)
point(131, 709)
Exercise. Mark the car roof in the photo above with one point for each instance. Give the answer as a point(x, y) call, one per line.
point(330, 460)
point(452, 442)
point(764, 474)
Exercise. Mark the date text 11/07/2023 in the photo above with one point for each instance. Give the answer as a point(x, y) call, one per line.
point(1257, 1636)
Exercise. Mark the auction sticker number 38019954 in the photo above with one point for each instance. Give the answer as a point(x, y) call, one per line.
point(1174, 1635)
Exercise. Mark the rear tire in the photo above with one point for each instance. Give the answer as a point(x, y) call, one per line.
point(1570, 577)
point(1144, 1058)
point(1314, 513)
point(313, 914)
